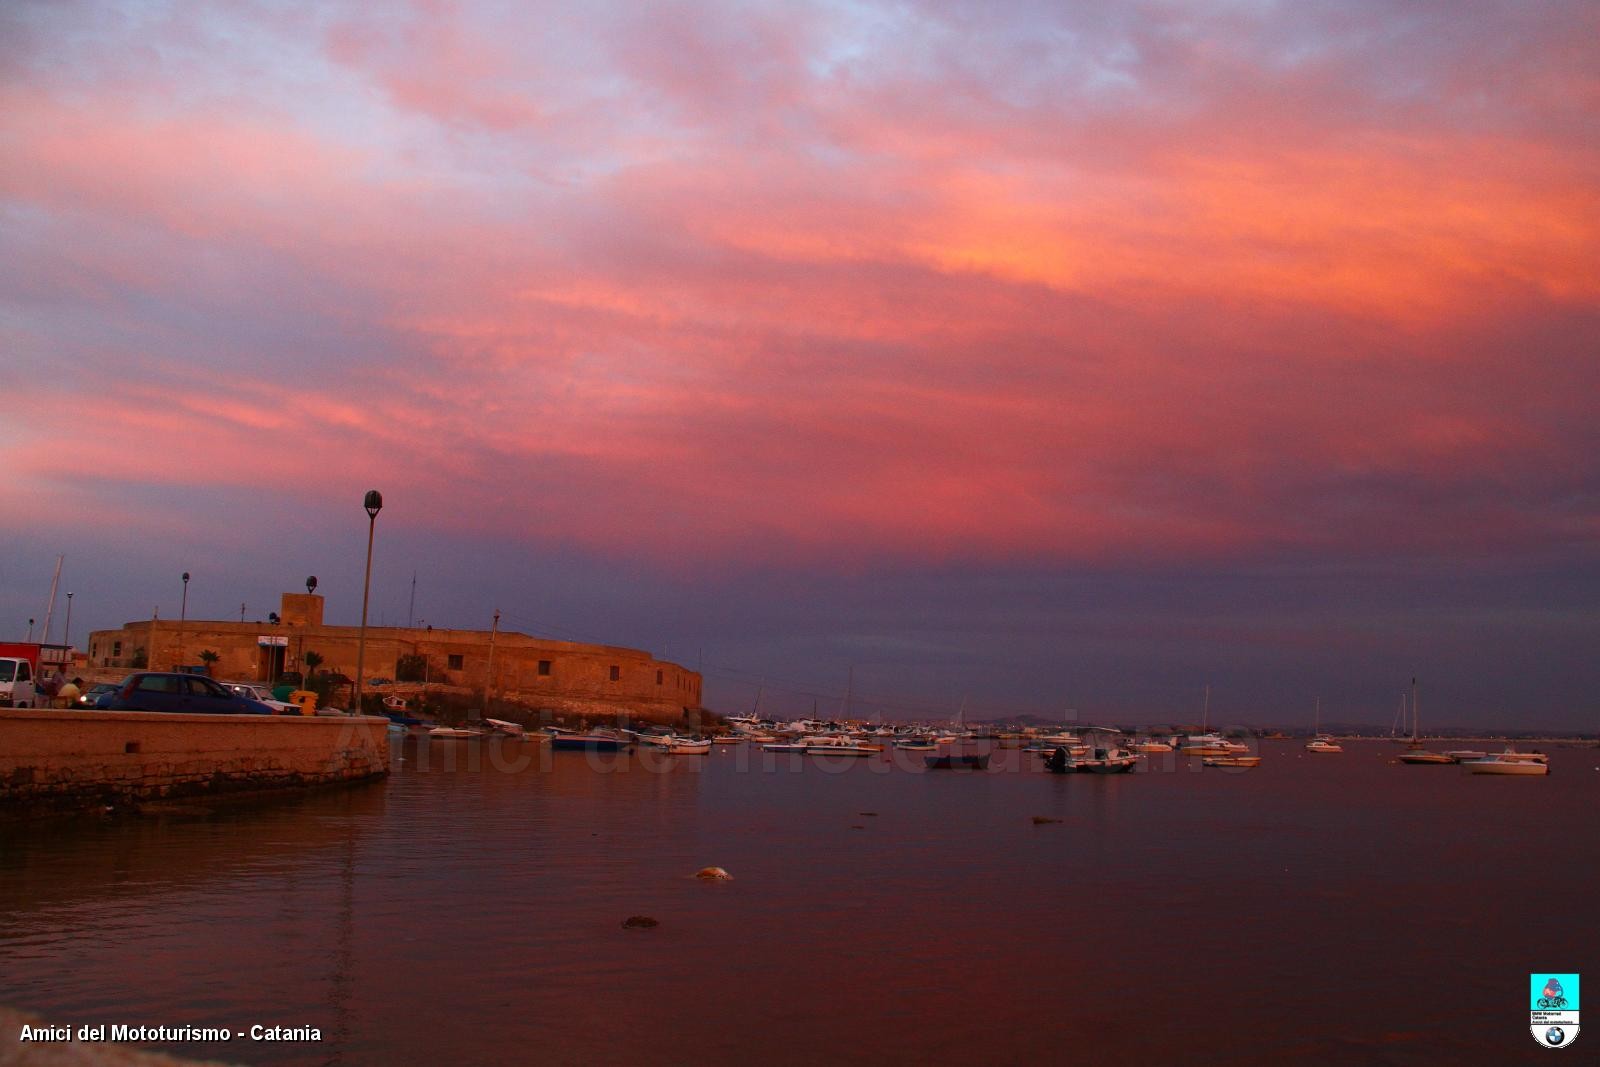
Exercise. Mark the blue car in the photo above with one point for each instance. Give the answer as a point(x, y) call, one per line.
point(156, 691)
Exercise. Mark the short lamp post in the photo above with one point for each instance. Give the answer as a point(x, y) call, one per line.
point(374, 504)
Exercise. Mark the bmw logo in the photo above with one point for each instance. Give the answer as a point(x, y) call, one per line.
point(1555, 1035)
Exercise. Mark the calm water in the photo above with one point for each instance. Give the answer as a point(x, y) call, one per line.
point(1320, 908)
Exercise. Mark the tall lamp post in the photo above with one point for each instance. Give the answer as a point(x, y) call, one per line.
point(374, 504)
point(183, 614)
point(68, 638)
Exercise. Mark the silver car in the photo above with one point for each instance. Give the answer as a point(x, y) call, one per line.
point(253, 691)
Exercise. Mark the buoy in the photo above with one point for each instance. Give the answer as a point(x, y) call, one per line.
point(713, 874)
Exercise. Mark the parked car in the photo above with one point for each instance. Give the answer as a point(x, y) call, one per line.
point(253, 691)
point(90, 697)
point(157, 691)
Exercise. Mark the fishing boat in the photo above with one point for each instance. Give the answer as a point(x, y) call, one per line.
point(1417, 754)
point(915, 744)
point(596, 740)
point(1106, 755)
point(957, 761)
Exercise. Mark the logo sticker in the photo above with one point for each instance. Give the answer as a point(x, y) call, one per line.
point(1553, 1008)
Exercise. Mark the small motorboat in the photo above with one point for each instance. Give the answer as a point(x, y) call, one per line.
point(1231, 761)
point(1153, 747)
point(509, 729)
point(1462, 755)
point(1324, 743)
point(976, 761)
point(1502, 765)
point(594, 741)
point(1423, 756)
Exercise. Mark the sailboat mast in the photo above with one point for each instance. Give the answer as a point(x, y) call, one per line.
point(1205, 713)
point(1415, 728)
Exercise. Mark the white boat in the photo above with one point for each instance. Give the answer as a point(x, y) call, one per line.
point(1207, 744)
point(1321, 742)
point(1463, 755)
point(1154, 747)
point(688, 746)
point(509, 729)
point(1525, 763)
point(828, 745)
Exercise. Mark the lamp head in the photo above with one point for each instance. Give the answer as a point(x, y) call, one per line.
point(311, 584)
point(185, 577)
point(373, 503)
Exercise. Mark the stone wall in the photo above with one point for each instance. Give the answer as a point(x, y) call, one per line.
point(65, 759)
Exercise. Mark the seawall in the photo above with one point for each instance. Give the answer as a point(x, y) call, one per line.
point(68, 759)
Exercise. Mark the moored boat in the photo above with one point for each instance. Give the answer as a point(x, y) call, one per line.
point(1231, 760)
point(1518, 763)
point(593, 741)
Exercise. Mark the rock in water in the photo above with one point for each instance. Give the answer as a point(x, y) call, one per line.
point(638, 922)
point(713, 874)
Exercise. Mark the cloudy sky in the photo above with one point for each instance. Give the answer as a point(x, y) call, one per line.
point(1043, 355)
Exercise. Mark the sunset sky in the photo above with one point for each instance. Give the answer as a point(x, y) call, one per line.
point(1047, 355)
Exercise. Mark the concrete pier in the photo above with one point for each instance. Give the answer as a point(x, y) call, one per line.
point(68, 759)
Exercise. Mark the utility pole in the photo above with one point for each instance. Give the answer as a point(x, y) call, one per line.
point(411, 608)
point(488, 681)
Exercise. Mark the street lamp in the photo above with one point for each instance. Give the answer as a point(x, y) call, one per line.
point(183, 613)
point(374, 504)
point(68, 638)
point(30, 631)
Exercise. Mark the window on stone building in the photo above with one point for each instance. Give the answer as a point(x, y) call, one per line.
point(616, 672)
point(660, 677)
point(116, 648)
point(544, 666)
point(455, 662)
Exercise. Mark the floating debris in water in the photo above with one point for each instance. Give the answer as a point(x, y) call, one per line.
point(713, 874)
point(1040, 820)
point(868, 814)
point(638, 922)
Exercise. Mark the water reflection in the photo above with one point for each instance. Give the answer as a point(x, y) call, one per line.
point(470, 907)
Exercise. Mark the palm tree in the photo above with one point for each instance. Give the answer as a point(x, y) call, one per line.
point(312, 660)
point(209, 658)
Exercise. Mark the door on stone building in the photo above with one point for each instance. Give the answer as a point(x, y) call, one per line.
point(269, 662)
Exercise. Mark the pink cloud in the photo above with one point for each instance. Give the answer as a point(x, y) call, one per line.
point(780, 302)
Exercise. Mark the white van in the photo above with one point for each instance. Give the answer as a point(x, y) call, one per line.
point(16, 683)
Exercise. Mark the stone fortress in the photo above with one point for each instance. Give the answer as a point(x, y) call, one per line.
point(534, 672)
